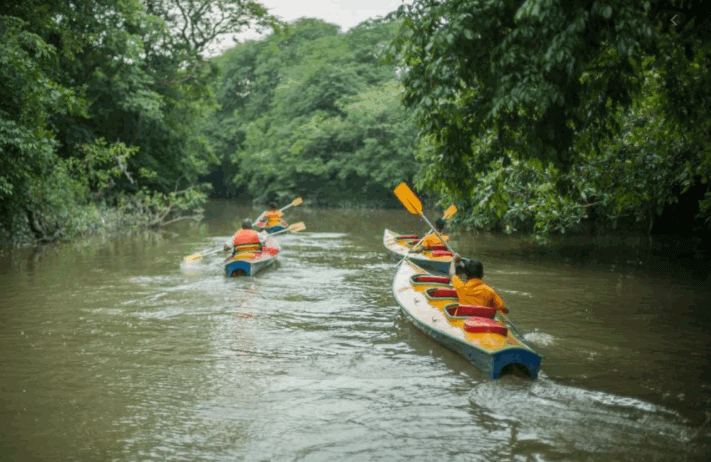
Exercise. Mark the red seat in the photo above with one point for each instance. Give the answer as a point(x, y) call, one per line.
point(441, 253)
point(442, 293)
point(479, 325)
point(428, 278)
point(473, 310)
point(438, 247)
point(407, 236)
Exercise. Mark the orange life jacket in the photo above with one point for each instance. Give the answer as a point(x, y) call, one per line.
point(273, 218)
point(475, 292)
point(431, 240)
point(245, 236)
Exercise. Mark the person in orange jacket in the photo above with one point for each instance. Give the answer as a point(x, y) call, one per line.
point(244, 238)
point(432, 239)
point(272, 216)
point(471, 290)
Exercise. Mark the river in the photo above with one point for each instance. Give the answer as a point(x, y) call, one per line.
point(114, 349)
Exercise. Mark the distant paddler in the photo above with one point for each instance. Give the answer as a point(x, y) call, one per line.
point(272, 219)
point(433, 239)
point(272, 216)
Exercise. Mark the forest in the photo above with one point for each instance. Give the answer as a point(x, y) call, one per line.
point(540, 117)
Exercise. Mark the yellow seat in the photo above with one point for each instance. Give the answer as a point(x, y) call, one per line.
point(243, 256)
point(247, 248)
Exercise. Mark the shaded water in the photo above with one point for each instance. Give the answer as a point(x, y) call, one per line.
point(115, 350)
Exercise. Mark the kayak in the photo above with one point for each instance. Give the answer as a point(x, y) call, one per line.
point(479, 334)
point(262, 226)
point(251, 260)
point(437, 259)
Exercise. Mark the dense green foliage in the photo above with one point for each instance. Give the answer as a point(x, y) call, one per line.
point(100, 103)
point(311, 112)
point(539, 114)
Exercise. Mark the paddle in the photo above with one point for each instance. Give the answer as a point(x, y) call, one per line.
point(414, 206)
point(295, 202)
point(451, 210)
point(295, 228)
point(506, 318)
point(198, 256)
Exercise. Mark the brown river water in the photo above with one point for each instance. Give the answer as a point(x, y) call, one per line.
point(113, 349)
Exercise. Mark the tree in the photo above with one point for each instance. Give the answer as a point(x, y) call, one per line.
point(312, 112)
point(504, 82)
point(133, 73)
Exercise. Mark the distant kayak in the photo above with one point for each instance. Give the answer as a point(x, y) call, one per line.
point(262, 226)
point(401, 245)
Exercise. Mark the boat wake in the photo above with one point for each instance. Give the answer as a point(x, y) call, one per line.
point(583, 420)
point(539, 338)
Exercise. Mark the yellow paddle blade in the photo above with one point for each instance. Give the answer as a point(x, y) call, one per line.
point(300, 226)
point(408, 199)
point(198, 256)
point(297, 201)
point(451, 210)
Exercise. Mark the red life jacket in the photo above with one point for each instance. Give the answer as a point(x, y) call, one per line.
point(245, 236)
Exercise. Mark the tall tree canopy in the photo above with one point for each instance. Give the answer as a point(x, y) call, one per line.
point(312, 112)
point(538, 112)
point(103, 98)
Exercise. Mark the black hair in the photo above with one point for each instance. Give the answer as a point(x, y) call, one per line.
point(439, 224)
point(272, 206)
point(474, 269)
point(246, 223)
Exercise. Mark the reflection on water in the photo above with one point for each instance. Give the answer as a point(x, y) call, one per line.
point(118, 350)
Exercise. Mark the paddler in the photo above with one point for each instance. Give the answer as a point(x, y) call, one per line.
point(471, 290)
point(272, 216)
point(245, 238)
point(431, 239)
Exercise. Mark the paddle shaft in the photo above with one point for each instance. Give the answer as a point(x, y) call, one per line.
point(437, 233)
point(285, 230)
point(420, 241)
point(508, 321)
point(296, 227)
point(281, 210)
point(198, 256)
point(451, 210)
